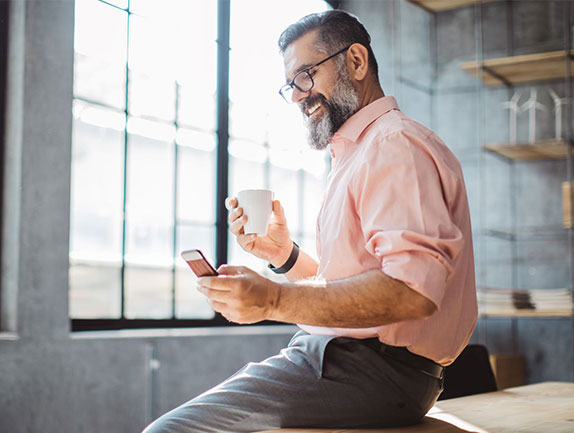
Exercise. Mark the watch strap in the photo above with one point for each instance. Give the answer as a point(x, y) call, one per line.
point(289, 263)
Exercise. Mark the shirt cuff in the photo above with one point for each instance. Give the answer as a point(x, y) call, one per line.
point(420, 271)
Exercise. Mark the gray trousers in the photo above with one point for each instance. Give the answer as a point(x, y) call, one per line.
point(317, 381)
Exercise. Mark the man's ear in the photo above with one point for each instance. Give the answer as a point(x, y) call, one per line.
point(358, 61)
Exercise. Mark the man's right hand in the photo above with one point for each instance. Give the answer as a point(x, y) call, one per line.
point(275, 246)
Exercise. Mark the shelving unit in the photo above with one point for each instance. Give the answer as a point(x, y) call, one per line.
point(443, 5)
point(528, 68)
point(521, 265)
point(509, 72)
point(542, 149)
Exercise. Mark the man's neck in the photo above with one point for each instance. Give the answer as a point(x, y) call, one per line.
point(371, 94)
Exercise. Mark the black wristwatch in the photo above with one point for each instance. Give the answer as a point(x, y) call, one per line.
point(289, 263)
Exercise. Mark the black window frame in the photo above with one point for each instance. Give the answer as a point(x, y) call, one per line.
point(4, 32)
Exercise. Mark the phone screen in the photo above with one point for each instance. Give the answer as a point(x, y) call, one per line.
point(198, 263)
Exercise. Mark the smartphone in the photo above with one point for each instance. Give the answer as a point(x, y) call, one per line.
point(198, 263)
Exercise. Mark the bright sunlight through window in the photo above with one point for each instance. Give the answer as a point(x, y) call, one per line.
point(144, 175)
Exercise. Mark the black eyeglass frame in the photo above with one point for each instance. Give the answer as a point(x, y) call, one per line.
point(292, 84)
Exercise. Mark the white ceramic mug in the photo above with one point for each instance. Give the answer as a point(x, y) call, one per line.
point(257, 204)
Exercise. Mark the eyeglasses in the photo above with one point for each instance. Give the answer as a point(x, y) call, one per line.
point(303, 80)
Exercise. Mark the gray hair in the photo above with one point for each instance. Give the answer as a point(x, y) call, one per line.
point(336, 30)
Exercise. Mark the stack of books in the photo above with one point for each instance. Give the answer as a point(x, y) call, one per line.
point(493, 301)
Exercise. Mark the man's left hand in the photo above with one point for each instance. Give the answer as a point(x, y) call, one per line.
point(240, 294)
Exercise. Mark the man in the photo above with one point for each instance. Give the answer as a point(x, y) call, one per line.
point(392, 299)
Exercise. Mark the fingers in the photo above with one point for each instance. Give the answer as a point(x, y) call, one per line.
point(221, 282)
point(234, 211)
point(212, 283)
point(218, 306)
point(219, 290)
point(237, 222)
point(234, 214)
point(236, 218)
point(230, 203)
point(238, 293)
point(247, 242)
point(232, 270)
point(214, 295)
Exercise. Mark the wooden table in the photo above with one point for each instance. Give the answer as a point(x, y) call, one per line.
point(541, 408)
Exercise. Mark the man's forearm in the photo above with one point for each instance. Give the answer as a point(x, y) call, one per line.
point(362, 301)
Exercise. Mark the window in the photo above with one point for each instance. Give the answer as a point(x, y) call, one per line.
point(267, 138)
point(144, 170)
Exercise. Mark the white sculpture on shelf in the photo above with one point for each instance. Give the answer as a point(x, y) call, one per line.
point(514, 110)
point(558, 103)
point(532, 105)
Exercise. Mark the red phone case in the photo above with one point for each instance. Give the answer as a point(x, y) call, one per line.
point(201, 267)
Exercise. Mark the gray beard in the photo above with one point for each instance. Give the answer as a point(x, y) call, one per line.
point(343, 104)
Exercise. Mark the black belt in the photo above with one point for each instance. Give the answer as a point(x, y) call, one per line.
point(403, 355)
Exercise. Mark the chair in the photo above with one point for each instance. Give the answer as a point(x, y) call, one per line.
point(471, 373)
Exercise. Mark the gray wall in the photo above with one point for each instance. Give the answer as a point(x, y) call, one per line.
point(420, 54)
point(51, 380)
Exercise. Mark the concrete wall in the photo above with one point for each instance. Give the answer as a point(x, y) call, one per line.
point(51, 380)
point(420, 55)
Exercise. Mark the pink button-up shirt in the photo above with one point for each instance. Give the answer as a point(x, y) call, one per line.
point(396, 201)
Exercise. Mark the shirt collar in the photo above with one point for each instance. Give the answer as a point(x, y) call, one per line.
point(352, 129)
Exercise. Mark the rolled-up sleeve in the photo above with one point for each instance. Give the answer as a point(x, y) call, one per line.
point(399, 197)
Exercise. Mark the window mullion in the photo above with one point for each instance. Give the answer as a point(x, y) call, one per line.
point(223, 22)
point(125, 179)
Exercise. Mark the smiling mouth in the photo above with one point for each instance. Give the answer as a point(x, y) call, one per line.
point(312, 109)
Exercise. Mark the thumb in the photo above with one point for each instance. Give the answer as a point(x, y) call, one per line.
point(231, 270)
point(279, 212)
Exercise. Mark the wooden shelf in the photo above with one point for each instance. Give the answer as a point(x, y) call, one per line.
point(542, 149)
point(525, 313)
point(443, 5)
point(527, 68)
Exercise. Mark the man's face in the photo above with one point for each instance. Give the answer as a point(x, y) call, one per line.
point(333, 98)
